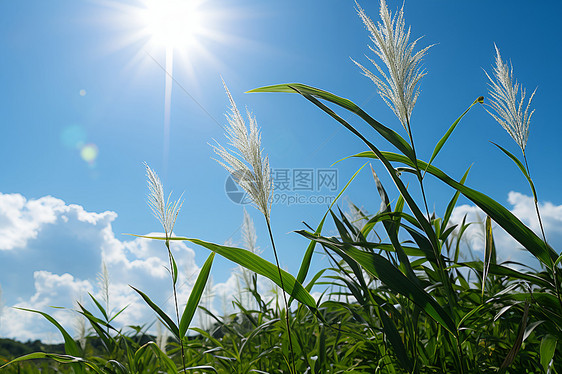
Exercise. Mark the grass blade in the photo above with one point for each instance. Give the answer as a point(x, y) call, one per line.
point(390, 135)
point(503, 217)
point(195, 296)
point(260, 266)
point(518, 341)
point(489, 255)
point(445, 137)
point(163, 316)
point(547, 349)
point(70, 346)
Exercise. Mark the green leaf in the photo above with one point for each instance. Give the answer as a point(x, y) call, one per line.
point(195, 296)
point(258, 265)
point(174, 269)
point(547, 349)
point(76, 362)
point(391, 227)
point(383, 270)
point(521, 167)
point(509, 272)
point(453, 202)
point(307, 259)
point(390, 135)
point(100, 307)
point(518, 341)
point(503, 217)
point(445, 137)
point(489, 255)
point(70, 346)
point(163, 316)
point(393, 336)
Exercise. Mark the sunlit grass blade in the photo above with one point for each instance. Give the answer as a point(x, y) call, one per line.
point(70, 346)
point(258, 265)
point(100, 307)
point(170, 365)
point(445, 137)
point(387, 273)
point(453, 202)
point(163, 316)
point(174, 269)
point(547, 349)
point(307, 259)
point(501, 270)
point(503, 217)
point(195, 296)
point(391, 227)
point(518, 341)
point(520, 166)
point(76, 362)
point(489, 253)
point(390, 135)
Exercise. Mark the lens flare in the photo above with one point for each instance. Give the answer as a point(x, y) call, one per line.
point(89, 153)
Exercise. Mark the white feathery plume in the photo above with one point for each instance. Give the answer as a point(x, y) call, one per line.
point(80, 328)
point(164, 210)
point(509, 110)
point(249, 239)
point(161, 336)
point(249, 234)
point(245, 161)
point(399, 88)
point(103, 284)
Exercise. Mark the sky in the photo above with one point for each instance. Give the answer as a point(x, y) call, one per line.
point(87, 97)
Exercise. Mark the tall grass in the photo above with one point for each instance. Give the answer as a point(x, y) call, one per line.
point(397, 296)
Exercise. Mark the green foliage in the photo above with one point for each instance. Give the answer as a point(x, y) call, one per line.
point(396, 297)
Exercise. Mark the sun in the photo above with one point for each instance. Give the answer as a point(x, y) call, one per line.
point(171, 23)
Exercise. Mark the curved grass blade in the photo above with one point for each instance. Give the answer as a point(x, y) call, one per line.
point(256, 264)
point(518, 341)
point(76, 362)
point(391, 227)
point(390, 135)
point(307, 259)
point(547, 349)
point(453, 201)
point(489, 255)
point(445, 137)
point(100, 307)
point(70, 346)
point(520, 166)
point(393, 336)
point(163, 316)
point(509, 272)
point(195, 296)
point(174, 269)
point(503, 217)
point(382, 269)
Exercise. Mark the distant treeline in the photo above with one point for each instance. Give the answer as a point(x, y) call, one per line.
point(12, 348)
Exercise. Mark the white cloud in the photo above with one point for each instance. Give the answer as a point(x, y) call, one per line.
point(522, 206)
point(51, 254)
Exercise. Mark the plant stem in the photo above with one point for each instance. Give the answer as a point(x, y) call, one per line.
point(535, 198)
point(418, 172)
point(284, 296)
point(175, 300)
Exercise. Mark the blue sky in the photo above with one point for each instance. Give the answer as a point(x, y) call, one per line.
point(76, 76)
